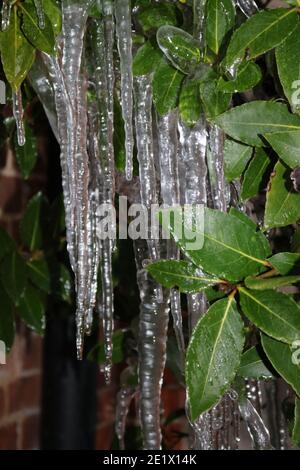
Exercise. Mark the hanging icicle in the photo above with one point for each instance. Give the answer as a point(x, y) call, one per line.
point(5, 14)
point(18, 113)
point(199, 17)
point(40, 12)
point(169, 190)
point(256, 428)
point(123, 30)
point(124, 398)
point(248, 7)
point(220, 193)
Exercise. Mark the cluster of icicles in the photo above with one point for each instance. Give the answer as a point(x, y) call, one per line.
point(179, 166)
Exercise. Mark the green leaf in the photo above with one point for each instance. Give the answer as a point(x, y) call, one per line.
point(27, 154)
point(288, 59)
point(247, 76)
point(189, 102)
point(186, 276)
point(6, 243)
point(251, 120)
point(42, 39)
point(281, 357)
point(257, 283)
point(182, 50)
point(260, 33)
point(215, 102)
point(7, 321)
point(213, 355)
point(17, 54)
point(236, 157)
point(276, 314)
point(286, 145)
point(253, 367)
point(157, 15)
point(238, 249)
point(54, 14)
point(285, 263)
point(39, 274)
point(97, 353)
point(13, 276)
point(166, 87)
point(283, 202)
point(119, 137)
point(32, 224)
point(244, 218)
point(296, 428)
point(146, 59)
point(32, 309)
point(254, 174)
point(220, 18)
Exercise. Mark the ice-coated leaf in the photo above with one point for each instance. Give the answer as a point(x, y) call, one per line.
point(42, 39)
point(213, 355)
point(286, 145)
point(238, 249)
point(32, 224)
point(281, 357)
point(166, 87)
point(159, 14)
point(254, 174)
point(286, 263)
point(287, 59)
point(189, 102)
point(236, 157)
point(13, 276)
point(7, 321)
point(283, 202)
point(186, 276)
point(146, 59)
point(250, 121)
point(39, 275)
point(53, 12)
point(252, 366)
point(32, 309)
point(182, 50)
point(248, 74)
point(26, 154)
point(257, 283)
point(275, 313)
point(260, 33)
point(215, 102)
point(17, 54)
point(220, 18)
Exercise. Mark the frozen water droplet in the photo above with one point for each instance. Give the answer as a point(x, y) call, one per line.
point(18, 115)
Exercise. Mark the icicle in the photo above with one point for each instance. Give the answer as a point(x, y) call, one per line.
point(169, 189)
point(248, 7)
point(219, 190)
point(104, 76)
point(256, 428)
point(123, 30)
point(199, 17)
point(40, 12)
point(5, 14)
point(154, 317)
point(124, 398)
point(18, 113)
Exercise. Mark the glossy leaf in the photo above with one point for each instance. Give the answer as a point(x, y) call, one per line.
point(17, 54)
point(283, 202)
point(213, 355)
point(220, 18)
point(13, 276)
point(296, 428)
point(286, 263)
point(236, 157)
point(281, 357)
point(215, 102)
point(54, 14)
point(186, 276)
point(166, 87)
point(286, 145)
point(287, 59)
point(181, 49)
point(26, 155)
point(42, 39)
point(257, 283)
point(157, 15)
point(254, 174)
point(253, 367)
point(32, 309)
point(146, 59)
point(250, 121)
point(260, 33)
point(276, 314)
point(190, 107)
point(244, 218)
point(39, 275)
point(7, 321)
point(32, 224)
point(248, 74)
point(238, 250)
point(6, 243)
